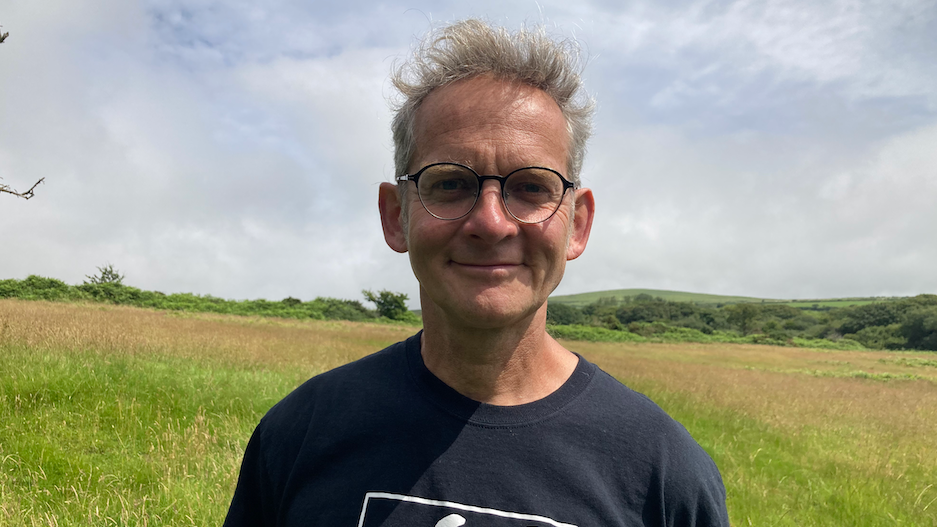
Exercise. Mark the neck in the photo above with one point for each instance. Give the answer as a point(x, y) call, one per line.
point(506, 366)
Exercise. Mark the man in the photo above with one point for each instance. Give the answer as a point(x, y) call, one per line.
point(481, 419)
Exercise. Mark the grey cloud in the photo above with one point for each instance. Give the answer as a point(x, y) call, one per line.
point(776, 148)
point(693, 221)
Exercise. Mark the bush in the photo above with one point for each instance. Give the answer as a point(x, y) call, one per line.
point(694, 322)
point(743, 317)
point(333, 308)
point(113, 292)
point(800, 323)
point(592, 334)
point(647, 330)
point(920, 329)
point(10, 288)
point(40, 288)
point(878, 314)
point(880, 337)
point(564, 314)
point(107, 287)
point(389, 304)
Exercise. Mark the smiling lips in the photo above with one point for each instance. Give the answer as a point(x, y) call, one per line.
point(486, 266)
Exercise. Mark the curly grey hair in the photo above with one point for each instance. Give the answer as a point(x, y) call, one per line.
point(472, 47)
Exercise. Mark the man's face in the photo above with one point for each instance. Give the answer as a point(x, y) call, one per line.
point(487, 269)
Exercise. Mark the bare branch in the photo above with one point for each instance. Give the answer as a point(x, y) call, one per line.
point(3, 36)
point(25, 195)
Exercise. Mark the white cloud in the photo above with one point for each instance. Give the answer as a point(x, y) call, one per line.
point(728, 54)
point(776, 147)
point(688, 214)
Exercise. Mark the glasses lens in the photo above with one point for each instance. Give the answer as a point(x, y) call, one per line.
point(448, 191)
point(533, 194)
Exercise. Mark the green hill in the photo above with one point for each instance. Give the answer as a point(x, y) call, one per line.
point(582, 299)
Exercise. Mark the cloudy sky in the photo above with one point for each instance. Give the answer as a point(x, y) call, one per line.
point(777, 148)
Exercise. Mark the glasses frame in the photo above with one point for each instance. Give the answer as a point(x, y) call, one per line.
point(415, 178)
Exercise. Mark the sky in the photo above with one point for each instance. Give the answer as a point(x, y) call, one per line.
point(775, 148)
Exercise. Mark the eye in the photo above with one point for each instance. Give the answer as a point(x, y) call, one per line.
point(447, 183)
point(529, 188)
point(533, 185)
point(450, 185)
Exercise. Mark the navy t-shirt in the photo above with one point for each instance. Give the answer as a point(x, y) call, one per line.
point(383, 442)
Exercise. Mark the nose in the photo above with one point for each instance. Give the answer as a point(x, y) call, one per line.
point(489, 220)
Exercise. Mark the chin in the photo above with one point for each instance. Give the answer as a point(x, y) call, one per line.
point(490, 313)
point(484, 307)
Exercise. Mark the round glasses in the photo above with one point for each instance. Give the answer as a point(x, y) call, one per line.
point(449, 191)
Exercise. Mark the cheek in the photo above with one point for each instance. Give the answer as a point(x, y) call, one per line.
point(426, 236)
point(554, 239)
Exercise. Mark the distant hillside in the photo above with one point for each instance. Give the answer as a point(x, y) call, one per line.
point(583, 299)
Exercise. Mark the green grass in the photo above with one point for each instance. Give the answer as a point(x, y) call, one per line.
point(593, 334)
point(776, 478)
point(94, 439)
point(583, 299)
point(911, 361)
point(121, 416)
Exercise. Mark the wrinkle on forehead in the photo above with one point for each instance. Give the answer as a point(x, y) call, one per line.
point(499, 108)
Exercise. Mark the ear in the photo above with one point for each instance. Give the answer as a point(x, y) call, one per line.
point(388, 201)
point(582, 223)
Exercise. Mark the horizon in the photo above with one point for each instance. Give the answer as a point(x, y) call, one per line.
point(612, 293)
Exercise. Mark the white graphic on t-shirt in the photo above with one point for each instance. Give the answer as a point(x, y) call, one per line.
point(420, 509)
point(453, 520)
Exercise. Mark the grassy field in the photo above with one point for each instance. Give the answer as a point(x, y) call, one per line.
point(583, 299)
point(123, 416)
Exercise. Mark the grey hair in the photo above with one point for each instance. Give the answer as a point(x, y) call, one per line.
point(472, 47)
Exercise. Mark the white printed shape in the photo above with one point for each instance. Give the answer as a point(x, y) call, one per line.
point(384, 509)
point(453, 520)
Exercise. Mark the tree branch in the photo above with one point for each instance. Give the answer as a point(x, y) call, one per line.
point(25, 195)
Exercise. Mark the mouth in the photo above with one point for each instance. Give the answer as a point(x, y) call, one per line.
point(487, 266)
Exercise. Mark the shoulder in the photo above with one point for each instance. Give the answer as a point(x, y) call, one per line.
point(636, 416)
point(683, 481)
point(346, 396)
point(355, 388)
point(609, 401)
point(373, 373)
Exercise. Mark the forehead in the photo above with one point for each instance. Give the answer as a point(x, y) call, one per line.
point(488, 120)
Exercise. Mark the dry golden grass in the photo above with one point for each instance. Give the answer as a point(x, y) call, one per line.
point(312, 345)
point(781, 386)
